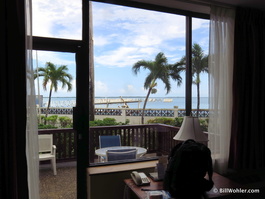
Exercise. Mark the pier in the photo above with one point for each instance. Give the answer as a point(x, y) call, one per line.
point(108, 101)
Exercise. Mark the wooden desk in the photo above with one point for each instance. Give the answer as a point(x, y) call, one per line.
point(219, 182)
point(137, 190)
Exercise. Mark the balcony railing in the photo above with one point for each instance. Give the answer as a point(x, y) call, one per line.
point(156, 138)
point(65, 141)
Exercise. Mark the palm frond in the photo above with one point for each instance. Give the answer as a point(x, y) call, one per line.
point(166, 80)
point(149, 80)
point(142, 64)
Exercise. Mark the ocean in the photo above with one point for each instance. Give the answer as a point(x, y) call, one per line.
point(154, 102)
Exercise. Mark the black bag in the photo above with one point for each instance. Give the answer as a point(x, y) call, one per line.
point(187, 166)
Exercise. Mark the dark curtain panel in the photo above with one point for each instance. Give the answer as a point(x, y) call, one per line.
point(248, 124)
point(13, 166)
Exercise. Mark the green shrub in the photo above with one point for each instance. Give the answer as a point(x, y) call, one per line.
point(107, 122)
point(104, 122)
point(178, 121)
point(127, 121)
point(204, 124)
point(52, 120)
point(42, 119)
point(161, 120)
point(65, 121)
point(43, 126)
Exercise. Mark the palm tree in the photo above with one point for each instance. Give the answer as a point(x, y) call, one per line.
point(53, 75)
point(158, 69)
point(199, 65)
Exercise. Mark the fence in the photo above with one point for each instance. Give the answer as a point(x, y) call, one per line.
point(156, 138)
point(65, 141)
point(134, 115)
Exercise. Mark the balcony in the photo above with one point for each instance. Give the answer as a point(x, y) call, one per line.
point(156, 138)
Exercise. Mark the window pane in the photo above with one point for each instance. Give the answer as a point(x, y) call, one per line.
point(63, 98)
point(57, 18)
point(122, 37)
point(59, 117)
point(200, 49)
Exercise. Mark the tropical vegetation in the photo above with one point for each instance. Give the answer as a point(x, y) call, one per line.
point(107, 122)
point(159, 69)
point(54, 121)
point(178, 121)
point(53, 76)
point(199, 65)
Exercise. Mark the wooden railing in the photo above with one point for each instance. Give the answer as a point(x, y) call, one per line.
point(156, 138)
point(65, 141)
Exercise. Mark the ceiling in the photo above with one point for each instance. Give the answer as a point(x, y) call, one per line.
point(256, 4)
point(203, 6)
point(260, 4)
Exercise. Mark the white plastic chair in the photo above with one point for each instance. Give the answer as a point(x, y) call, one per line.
point(47, 151)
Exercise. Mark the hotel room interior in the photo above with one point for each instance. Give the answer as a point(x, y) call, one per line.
point(247, 143)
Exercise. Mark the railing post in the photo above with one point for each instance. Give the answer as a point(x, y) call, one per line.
point(123, 115)
point(176, 111)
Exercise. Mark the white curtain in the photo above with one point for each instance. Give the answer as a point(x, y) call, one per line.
point(220, 89)
point(32, 147)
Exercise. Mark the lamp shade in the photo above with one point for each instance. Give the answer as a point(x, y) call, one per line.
point(190, 129)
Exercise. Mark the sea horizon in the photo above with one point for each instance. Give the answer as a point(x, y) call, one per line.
point(154, 102)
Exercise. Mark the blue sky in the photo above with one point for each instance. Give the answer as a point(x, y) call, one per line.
point(122, 36)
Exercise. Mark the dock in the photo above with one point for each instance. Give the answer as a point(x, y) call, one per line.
point(108, 101)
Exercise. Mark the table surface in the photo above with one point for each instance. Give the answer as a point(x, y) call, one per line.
point(103, 151)
point(138, 189)
point(219, 182)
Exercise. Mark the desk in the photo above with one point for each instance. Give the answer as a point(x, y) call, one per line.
point(219, 182)
point(137, 190)
point(103, 151)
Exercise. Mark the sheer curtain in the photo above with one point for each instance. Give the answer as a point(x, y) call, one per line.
point(31, 125)
point(220, 89)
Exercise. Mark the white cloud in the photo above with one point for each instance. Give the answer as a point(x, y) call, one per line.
point(100, 41)
point(58, 58)
point(101, 89)
point(60, 18)
point(121, 57)
point(138, 35)
point(200, 23)
point(129, 90)
point(143, 28)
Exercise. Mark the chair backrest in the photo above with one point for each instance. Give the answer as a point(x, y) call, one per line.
point(122, 154)
point(109, 141)
point(45, 143)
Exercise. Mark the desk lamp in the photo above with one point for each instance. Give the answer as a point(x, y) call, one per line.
point(190, 129)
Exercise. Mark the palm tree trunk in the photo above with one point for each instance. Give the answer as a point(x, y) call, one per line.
point(49, 102)
point(145, 102)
